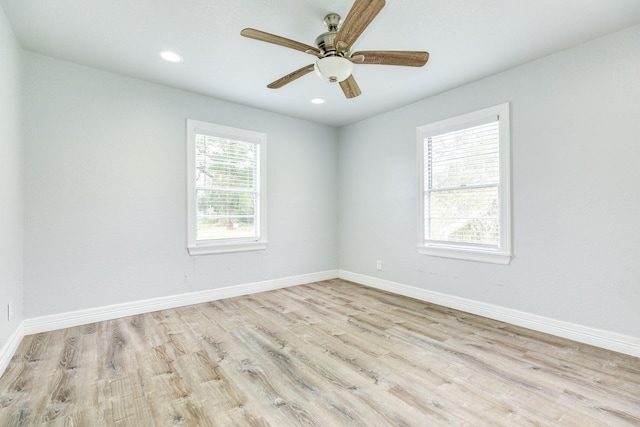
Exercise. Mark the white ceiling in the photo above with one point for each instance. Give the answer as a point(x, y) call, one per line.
point(467, 40)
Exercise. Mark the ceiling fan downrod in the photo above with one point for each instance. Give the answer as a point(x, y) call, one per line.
point(326, 41)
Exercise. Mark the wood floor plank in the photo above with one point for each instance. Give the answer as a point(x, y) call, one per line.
point(331, 353)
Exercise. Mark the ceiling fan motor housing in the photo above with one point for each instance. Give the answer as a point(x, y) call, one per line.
point(325, 43)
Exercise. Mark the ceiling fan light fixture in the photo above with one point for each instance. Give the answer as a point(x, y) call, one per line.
point(333, 69)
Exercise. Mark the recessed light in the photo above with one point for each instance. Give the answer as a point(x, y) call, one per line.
point(317, 101)
point(170, 56)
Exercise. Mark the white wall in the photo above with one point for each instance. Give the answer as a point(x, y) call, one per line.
point(11, 182)
point(575, 120)
point(106, 191)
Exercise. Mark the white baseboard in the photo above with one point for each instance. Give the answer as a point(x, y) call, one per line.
point(98, 314)
point(600, 338)
point(8, 350)
point(597, 337)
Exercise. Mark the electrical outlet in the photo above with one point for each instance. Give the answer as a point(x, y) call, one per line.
point(10, 310)
point(379, 265)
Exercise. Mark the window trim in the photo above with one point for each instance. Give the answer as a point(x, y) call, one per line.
point(503, 254)
point(206, 247)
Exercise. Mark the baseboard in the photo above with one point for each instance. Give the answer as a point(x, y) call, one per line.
point(600, 338)
point(98, 314)
point(597, 337)
point(8, 350)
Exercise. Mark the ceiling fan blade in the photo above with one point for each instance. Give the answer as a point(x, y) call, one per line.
point(358, 19)
point(291, 77)
point(350, 87)
point(281, 41)
point(393, 57)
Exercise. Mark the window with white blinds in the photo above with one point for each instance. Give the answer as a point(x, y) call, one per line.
point(464, 189)
point(226, 189)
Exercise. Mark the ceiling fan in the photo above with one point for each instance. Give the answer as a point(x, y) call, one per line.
point(333, 52)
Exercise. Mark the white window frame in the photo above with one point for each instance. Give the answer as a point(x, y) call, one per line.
point(216, 246)
point(503, 253)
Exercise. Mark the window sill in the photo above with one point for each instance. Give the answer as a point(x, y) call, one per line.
point(222, 248)
point(466, 254)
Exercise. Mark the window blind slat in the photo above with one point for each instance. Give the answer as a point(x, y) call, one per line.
point(226, 187)
point(461, 174)
point(225, 163)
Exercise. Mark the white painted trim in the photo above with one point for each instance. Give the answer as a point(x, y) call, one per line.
point(225, 248)
point(196, 247)
point(465, 253)
point(605, 339)
point(503, 253)
point(9, 349)
point(600, 338)
point(98, 314)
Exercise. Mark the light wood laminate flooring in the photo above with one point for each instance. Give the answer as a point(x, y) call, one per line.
point(331, 353)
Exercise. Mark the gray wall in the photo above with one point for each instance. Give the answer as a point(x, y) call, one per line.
point(11, 184)
point(575, 137)
point(106, 191)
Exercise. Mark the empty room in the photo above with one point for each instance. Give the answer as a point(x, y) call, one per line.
point(320, 213)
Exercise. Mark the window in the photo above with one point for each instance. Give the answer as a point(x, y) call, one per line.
point(465, 187)
point(226, 189)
